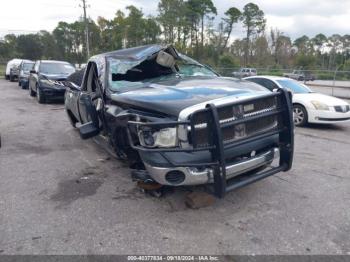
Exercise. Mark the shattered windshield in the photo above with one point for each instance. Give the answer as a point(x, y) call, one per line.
point(124, 74)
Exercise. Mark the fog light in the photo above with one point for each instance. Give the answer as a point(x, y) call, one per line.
point(175, 177)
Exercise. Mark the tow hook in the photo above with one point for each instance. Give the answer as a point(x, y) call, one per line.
point(146, 183)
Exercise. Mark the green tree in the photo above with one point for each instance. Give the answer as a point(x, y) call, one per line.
point(48, 44)
point(254, 21)
point(29, 46)
point(232, 16)
point(200, 10)
point(134, 26)
point(119, 30)
point(63, 39)
point(318, 43)
point(168, 17)
point(8, 48)
point(152, 31)
point(106, 29)
point(281, 47)
point(303, 44)
point(305, 61)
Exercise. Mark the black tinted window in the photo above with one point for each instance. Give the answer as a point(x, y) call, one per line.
point(269, 84)
point(256, 80)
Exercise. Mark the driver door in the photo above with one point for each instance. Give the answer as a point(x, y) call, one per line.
point(91, 104)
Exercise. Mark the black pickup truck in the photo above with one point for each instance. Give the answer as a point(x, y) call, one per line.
point(179, 123)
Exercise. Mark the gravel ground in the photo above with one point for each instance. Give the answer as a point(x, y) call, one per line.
point(62, 195)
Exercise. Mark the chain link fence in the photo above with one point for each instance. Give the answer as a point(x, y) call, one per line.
point(331, 82)
point(319, 74)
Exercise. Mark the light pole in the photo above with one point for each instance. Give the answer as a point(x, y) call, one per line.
point(86, 30)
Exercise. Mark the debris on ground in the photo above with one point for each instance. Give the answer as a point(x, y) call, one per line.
point(196, 200)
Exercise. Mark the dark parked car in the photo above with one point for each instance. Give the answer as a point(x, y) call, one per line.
point(24, 70)
point(178, 123)
point(44, 79)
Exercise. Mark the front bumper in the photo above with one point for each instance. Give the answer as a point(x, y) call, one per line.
point(225, 165)
point(195, 176)
point(327, 117)
point(14, 73)
point(53, 93)
point(24, 81)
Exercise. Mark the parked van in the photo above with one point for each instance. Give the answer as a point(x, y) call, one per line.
point(11, 72)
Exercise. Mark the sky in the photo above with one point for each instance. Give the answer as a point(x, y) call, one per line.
point(293, 17)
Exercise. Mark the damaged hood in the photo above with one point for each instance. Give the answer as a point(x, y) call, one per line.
point(172, 96)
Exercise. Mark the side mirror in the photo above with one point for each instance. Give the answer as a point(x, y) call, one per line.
point(32, 71)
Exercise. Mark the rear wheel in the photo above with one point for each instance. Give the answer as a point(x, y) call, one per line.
point(19, 82)
point(40, 96)
point(12, 78)
point(299, 115)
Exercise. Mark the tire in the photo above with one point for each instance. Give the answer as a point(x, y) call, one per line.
point(12, 79)
point(31, 92)
point(40, 96)
point(300, 116)
point(19, 83)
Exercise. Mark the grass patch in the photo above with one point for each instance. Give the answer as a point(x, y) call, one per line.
point(2, 70)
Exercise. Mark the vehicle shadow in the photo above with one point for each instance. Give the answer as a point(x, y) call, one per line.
point(334, 127)
point(54, 102)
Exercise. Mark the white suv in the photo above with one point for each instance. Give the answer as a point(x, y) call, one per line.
point(12, 64)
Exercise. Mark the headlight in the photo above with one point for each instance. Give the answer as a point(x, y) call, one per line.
point(320, 106)
point(166, 137)
point(46, 82)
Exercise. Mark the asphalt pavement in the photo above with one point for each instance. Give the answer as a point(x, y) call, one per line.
point(62, 195)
